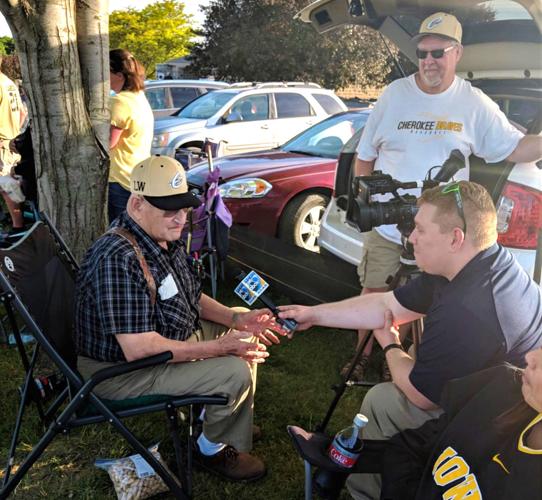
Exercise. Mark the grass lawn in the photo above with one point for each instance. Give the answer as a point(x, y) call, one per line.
point(293, 388)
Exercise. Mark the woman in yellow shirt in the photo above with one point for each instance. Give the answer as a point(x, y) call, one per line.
point(132, 125)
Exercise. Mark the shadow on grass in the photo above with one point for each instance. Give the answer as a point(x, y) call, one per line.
point(294, 387)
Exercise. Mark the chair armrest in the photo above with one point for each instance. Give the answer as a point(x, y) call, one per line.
point(123, 368)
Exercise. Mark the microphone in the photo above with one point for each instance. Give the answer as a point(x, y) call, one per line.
point(454, 163)
point(251, 288)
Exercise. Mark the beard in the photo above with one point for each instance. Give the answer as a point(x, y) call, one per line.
point(431, 78)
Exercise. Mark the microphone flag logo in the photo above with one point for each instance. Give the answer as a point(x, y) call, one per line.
point(251, 287)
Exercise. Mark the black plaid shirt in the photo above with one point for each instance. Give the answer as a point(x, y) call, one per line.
point(113, 297)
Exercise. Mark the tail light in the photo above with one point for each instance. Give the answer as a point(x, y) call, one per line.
point(519, 216)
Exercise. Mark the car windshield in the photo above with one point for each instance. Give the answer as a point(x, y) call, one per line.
point(205, 106)
point(327, 138)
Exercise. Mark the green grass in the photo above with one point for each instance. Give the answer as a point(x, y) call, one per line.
point(294, 387)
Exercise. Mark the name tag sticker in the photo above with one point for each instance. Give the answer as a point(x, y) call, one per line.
point(168, 288)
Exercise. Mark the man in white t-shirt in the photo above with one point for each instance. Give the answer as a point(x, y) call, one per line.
point(415, 125)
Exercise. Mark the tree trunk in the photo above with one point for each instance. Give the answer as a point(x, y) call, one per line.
point(63, 49)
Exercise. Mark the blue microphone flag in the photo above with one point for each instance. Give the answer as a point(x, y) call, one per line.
point(251, 287)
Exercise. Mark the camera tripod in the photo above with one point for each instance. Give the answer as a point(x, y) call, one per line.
point(407, 271)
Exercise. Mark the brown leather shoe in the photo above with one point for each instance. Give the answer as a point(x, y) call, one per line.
point(231, 464)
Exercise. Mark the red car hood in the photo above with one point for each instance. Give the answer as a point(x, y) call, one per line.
point(264, 164)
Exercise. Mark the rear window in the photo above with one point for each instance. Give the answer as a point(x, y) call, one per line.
point(156, 97)
point(182, 95)
point(522, 111)
point(327, 138)
point(330, 105)
point(290, 105)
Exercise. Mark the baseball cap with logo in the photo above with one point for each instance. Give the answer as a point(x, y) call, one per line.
point(440, 24)
point(162, 181)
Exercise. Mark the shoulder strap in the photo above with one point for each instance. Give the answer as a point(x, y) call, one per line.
point(129, 237)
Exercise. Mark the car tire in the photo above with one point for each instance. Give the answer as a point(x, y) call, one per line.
point(300, 221)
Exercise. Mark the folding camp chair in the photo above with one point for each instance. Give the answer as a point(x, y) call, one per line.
point(37, 281)
point(207, 231)
point(189, 156)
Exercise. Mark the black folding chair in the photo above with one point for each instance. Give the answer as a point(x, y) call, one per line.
point(37, 282)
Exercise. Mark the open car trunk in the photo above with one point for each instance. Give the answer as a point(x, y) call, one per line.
point(502, 38)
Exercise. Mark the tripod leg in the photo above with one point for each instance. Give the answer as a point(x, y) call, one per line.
point(339, 390)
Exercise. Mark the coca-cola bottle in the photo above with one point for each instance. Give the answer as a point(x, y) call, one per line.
point(345, 448)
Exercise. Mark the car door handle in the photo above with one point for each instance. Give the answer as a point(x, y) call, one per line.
point(265, 127)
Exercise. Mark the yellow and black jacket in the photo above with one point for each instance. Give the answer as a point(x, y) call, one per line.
point(464, 454)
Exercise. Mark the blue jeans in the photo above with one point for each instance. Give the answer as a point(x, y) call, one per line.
point(117, 200)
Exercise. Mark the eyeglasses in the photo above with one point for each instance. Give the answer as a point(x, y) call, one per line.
point(456, 190)
point(435, 54)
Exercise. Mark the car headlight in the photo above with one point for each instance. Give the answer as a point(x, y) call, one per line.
point(160, 140)
point(245, 188)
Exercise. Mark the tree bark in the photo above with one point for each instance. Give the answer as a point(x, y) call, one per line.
point(63, 49)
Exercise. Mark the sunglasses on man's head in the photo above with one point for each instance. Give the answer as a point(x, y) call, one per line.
point(456, 190)
point(435, 54)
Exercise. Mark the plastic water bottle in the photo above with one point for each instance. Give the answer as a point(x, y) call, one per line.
point(347, 444)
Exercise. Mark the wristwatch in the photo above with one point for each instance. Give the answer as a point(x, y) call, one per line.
point(392, 346)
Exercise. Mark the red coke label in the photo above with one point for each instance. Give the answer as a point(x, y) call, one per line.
point(341, 456)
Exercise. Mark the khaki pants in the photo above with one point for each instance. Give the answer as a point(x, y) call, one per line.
point(229, 376)
point(379, 260)
point(389, 412)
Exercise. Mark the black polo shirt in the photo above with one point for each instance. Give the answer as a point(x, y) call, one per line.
point(489, 313)
point(112, 295)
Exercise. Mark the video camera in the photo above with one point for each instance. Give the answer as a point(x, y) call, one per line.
point(364, 214)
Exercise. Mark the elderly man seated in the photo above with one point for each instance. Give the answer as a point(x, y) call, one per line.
point(138, 295)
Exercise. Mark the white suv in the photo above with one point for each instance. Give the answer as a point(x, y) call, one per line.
point(261, 116)
point(502, 46)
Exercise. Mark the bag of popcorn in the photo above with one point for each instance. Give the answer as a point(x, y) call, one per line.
point(133, 477)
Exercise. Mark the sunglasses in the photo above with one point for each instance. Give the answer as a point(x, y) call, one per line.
point(455, 189)
point(169, 214)
point(435, 54)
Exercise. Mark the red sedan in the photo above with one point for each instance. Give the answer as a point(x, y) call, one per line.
point(283, 192)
